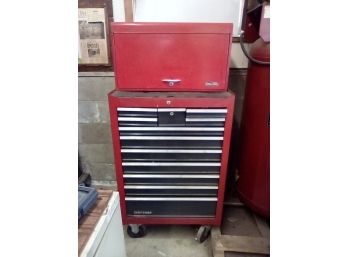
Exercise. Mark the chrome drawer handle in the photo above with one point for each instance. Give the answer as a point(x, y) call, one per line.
point(171, 128)
point(125, 150)
point(136, 119)
point(168, 187)
point(191, 164)
point(205, 119)
point(179, 199)
point(170, 138)
point(169, 176)
point(206, 110)
point(171, 82)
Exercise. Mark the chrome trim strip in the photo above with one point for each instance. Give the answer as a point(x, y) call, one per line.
point(173, 216)
point(168, 187)
point(136, 119)
point(171, 109)
point(205, 119)
point(206, 110)
point(199, 199)
point(169, 151)
point(124, 109)
point(170, 129)
point(169, 176)
point(168, 138)
point(209, 164)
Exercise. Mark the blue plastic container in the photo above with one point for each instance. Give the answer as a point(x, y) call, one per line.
point(87, 198)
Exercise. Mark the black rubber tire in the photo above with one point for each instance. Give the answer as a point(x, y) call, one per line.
point(141, 232)
point(202, 234)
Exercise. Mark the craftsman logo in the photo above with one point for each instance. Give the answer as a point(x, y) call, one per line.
point(141, 212)
point(211, 84)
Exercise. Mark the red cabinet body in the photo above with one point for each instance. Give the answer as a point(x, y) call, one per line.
point(171, 56)
point(171, 152)
point(254, 166)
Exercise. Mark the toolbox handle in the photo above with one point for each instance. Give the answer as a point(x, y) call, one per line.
point(171, 82)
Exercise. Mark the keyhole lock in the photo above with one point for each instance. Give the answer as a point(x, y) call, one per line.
point(171, 82)
point(171, 113)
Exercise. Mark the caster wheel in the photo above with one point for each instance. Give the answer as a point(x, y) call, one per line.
point(203, 233)
point(140, 233)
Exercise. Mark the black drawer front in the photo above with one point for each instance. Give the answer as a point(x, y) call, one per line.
point(136, 131)
point(170, 190)
point(178, 208)
point(169, 144)
point(130, 117)
point(137, 112)
point(171, 159)
point(171, 179)
point(138, 123)
point(171, 169)
point(171, 131)
point(215, 157)
point(204, 124)
point(188, 167)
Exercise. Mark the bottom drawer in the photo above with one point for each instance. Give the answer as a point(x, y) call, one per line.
point(171, 206)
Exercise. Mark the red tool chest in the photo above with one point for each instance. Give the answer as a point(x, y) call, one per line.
point(171, 148)
point(171, 152)
point(171, 56)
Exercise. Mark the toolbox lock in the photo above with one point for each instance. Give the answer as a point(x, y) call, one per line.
point(171, 82)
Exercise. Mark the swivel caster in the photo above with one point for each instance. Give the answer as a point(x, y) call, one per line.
point(203, 233)
point(136, 231)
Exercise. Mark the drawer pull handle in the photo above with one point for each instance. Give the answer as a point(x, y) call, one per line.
point(169, 187)
point(206, 110)
point(171, 129)
point(170, 151)
point(171, 82)
point(171, 109)
point(205, 119)
point(169, 138)
point(126, 109)
point(136, 119)
point(168, 176)
point(191, 164)
point(198, 199)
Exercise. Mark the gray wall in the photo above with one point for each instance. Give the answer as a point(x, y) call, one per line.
point(95, 144)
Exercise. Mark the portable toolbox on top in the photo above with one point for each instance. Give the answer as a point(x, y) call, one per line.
point(171, 56)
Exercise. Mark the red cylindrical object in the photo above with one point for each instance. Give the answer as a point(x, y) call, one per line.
point(253, 185)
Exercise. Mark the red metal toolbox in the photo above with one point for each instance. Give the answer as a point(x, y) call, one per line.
point(171, 56)
point(171, 151)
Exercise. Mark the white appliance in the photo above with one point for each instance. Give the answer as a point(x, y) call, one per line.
point(107, 239)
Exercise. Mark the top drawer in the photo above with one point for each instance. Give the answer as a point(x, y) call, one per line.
point(171, 56)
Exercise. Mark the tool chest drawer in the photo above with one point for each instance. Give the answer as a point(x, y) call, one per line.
point(171, 190)
point(171, 161)
point(171, 206)
point(171, 155)
point(171, 179)
point(171, 56)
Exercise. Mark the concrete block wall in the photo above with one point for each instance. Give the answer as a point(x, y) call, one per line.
point(94, 139)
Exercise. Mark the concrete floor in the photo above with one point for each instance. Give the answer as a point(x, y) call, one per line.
point(179, 241)
point(167, 241)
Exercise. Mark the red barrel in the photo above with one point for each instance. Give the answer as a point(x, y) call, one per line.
point(253, 185)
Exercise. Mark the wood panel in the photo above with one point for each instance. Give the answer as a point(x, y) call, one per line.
point(245, 244)
point(128, 9)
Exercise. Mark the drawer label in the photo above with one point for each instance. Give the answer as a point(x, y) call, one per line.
point(211, 83)
point(142, 212)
